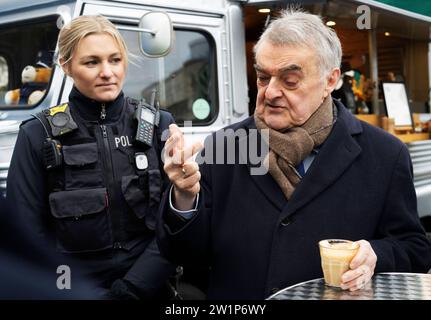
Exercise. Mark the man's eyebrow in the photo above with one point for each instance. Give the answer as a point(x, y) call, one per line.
point(257, 68)
point(291, 67)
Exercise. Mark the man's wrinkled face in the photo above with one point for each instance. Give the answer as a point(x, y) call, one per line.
point(290, 84)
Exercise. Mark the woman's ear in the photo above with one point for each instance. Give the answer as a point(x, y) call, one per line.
point(64, 66)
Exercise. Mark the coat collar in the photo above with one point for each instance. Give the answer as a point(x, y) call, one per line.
point(335, 155)
point(90, 110)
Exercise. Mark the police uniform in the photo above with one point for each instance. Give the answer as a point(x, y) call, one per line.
point(97, 205)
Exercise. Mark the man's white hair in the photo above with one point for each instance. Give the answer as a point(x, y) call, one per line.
point(298, 28)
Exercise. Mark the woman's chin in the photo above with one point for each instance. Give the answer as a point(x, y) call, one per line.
point(106, 96)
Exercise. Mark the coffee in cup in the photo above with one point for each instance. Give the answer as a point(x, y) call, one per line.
point(336, 255)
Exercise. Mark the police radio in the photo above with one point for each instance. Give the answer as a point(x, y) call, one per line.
point(52, 156)
point(147, 116)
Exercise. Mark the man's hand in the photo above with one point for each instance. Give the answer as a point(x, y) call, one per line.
point(181, 169)
point(361, 268)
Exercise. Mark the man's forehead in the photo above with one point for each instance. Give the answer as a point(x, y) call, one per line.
point(284, 58)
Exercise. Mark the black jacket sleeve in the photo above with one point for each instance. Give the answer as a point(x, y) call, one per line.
point(27, 181)
point(187, 242)
point(401, 243)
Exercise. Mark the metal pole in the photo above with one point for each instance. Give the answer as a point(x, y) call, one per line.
point(374, 72)
point(429, 76)
point(162, 84)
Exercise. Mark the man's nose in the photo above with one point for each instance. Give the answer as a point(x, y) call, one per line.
point(106, 71)
point(273, 89)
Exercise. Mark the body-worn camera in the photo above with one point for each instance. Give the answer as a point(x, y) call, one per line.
point(60, 120)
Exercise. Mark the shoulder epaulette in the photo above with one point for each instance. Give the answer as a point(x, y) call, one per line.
point(133, 101)
point(26, 120)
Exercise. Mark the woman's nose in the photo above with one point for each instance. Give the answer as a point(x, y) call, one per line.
point(273, 90)
point(106, 71)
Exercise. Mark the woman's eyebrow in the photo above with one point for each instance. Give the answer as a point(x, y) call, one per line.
point(97, 57)
point(88, 57)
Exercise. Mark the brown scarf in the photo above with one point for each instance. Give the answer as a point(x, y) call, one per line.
point(287, 149)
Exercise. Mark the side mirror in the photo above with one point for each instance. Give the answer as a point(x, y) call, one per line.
point(157, 41)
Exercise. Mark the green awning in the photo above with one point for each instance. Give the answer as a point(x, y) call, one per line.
point(418, 6)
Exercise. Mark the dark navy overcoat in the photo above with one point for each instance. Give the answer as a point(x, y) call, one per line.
point(255, 241)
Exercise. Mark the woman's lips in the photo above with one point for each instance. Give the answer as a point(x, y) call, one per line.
point(105, 85)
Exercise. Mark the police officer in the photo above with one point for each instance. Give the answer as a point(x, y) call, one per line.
point(87, 175)
point(31, 269)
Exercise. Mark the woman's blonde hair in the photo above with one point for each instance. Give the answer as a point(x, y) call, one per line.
point(83, 26)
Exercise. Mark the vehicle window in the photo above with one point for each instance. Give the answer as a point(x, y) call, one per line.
point(4, 77)
point(186, 79)
point(27, 48)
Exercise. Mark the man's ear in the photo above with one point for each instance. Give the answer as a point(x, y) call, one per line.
point(64, 66)
point(331, 81)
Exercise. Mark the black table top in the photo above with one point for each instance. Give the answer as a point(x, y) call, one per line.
point(383, 286)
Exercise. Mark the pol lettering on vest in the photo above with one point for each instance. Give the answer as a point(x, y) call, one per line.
point(123, 140)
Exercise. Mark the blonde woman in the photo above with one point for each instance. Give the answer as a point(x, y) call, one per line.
point(79, 178)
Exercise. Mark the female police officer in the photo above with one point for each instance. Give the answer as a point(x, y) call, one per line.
point(79, 176)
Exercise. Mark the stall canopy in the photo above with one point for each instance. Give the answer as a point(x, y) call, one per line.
point(417, 6)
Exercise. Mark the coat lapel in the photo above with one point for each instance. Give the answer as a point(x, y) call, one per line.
point(265, 182)
point(334, 157)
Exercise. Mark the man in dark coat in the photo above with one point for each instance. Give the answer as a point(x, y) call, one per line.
point(328, 175)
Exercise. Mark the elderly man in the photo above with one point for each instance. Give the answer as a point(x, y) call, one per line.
point(329, 176)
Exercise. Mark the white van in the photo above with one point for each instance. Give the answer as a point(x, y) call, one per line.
point(202, 81)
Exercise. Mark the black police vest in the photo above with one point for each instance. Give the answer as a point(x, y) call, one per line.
point(99, 199)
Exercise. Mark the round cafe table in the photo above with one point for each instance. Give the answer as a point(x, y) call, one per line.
point(383, 286)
